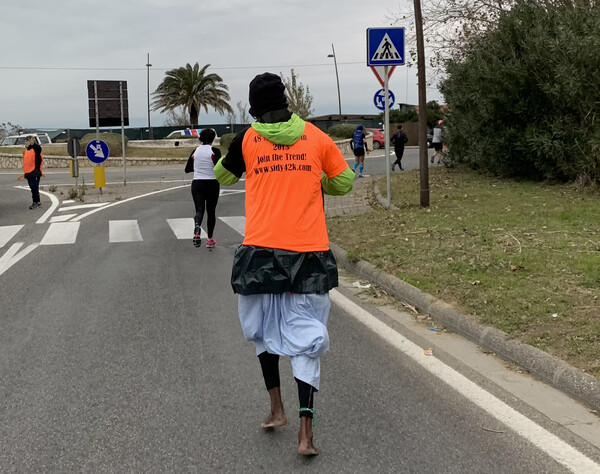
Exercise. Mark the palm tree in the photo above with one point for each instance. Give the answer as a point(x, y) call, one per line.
point(191, 88)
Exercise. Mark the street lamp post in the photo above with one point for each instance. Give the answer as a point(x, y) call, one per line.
point(150, 134)
point(337, 78)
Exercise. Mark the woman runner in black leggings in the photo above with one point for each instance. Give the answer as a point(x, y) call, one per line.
point(205, 188)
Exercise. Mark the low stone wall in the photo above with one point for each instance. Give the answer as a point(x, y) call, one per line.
point(14, 161)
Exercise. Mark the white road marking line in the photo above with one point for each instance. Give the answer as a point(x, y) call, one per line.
point(124, 231)
point(7, 232)
point(116, 203)
point(183, 228)
point(61, 233)
point(237, 223)
point(82, 206)
point(11, 256)
point(54, 202)
point(63, 218)
point(553, 446)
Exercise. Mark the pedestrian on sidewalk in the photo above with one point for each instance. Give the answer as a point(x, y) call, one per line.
point(358, 143)
point(437, 141)
point(205, 188)
point(32, 169)
point(399, 139)
point(284, 269)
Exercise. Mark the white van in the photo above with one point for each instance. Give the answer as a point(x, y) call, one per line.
point(19, 140)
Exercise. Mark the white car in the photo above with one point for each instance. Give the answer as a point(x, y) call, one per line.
point(19, 140)
point(187, 133)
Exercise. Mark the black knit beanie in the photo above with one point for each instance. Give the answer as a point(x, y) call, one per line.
point(207, 135)
point(267, 93)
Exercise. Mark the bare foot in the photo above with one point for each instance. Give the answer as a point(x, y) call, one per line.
point(274, 421)
point(307, 449)
point(305, 438)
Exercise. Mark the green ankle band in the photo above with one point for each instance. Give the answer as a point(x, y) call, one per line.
point(309, 413)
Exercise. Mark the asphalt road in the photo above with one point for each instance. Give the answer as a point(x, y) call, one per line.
point(121, 351)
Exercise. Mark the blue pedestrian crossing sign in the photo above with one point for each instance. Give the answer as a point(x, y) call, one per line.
point(97, 151)
point(385, 46)
point(379, 99)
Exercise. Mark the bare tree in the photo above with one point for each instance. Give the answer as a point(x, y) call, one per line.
point(8, 128)
point(177, 117)
point(298, 96)
point(451, 26)
point(243, 114)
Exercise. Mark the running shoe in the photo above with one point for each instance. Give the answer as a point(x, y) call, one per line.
point(210, 243)
point(197, 239)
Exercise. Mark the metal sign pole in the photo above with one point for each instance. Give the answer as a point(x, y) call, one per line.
point(123, 134)
point(96, 104)
point(386, 131)
point(97, 122)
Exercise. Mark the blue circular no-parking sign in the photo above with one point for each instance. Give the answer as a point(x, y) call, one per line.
point(379, 100)
point(97, 151)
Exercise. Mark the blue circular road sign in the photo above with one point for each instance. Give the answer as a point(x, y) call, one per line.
point(97, 151)
point(378, 99)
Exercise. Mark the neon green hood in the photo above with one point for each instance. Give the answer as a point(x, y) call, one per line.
point(281, 133)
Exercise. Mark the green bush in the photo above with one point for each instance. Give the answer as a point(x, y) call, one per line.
point(226, 140)
point(523, 101)
point(113, 140)
point(341, 130)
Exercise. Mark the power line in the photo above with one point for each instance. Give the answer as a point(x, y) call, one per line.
point(40, 68)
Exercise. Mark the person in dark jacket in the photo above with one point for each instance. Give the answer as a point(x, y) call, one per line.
point(284, 269)
point(358, 143)
point(32, 169)
point(399, 139)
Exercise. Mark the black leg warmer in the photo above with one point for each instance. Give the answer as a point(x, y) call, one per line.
point(305, 397)
point(269, 363)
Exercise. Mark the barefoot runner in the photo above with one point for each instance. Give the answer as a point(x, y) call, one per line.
point(284, 269)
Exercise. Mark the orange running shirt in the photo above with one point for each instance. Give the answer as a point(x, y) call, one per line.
point(284, 204)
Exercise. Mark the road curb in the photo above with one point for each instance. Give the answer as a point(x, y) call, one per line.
point(551, 370)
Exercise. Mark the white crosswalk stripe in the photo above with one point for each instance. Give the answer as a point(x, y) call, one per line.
point(60, 233)
point(124, 231)
point(64, 233)
point(237, 223)
point(7, 232)
point(184, 228)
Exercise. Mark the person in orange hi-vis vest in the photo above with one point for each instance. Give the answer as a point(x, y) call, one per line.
point(32, 169)
point(284, 269)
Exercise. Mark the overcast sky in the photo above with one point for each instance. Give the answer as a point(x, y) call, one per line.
point(52, 48)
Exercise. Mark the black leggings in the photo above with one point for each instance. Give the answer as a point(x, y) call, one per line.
point(205, 193)
point(269, 363)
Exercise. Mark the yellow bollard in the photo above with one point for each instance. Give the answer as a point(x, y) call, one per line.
point(99, 177)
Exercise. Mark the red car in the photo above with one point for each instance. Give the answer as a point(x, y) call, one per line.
point(378, 137)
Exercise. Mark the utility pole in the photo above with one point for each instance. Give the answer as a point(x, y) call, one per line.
point(423, 153)
point(150, 134)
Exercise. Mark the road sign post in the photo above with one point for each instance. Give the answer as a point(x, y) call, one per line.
point(73, 147)
point(97, 152)
point(385, 47)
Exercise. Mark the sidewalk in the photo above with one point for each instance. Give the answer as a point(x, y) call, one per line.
point(550, 370)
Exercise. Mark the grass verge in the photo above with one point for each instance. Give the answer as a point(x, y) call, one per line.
point(520, 256)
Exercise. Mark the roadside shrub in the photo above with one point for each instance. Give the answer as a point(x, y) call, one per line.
point(341, 130)
point(226, 140)
point(113, 140)
point(523, 100)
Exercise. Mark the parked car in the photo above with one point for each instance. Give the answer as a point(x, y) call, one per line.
point(378, 137)
point(19, 140)
point(187, 133)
